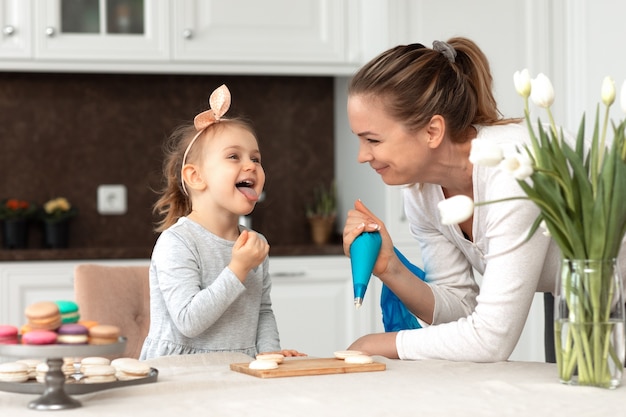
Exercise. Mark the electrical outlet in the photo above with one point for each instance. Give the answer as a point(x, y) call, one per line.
point(112, 199)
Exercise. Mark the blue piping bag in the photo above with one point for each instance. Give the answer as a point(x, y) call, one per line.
point(363, 254)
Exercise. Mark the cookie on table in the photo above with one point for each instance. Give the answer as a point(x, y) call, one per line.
point(13, 372)
point(72, 334)
point(32, 366)
point(42, 369)
point(25, 328)
point(40, 372)
point(262, 364)
point(39, 337)
point(127, 369)
point(103, 334)
point(93, 361)
point(8, 334)
point(97, 374)
point(359, 359)
point(88, 323)
point(276, 357)
point(343, 354)
point(43, 315)
point(69, 311)
point(69, 366)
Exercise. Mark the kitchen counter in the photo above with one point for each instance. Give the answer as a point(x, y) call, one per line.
point(145, 253)
point(74, 253)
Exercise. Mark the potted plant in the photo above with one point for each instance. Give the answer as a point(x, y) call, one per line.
point(322, 212)
point(579, 189)
point(15, 215)
point(55, 215)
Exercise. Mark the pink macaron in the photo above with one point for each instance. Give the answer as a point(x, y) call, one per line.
point(8, 334)
point(39, 337)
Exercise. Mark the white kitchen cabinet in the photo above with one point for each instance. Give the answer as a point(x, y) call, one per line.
point(101, 30)
point(24, 283)
point(16, 41)
point(312, 37)
point(246, 34)
point(313, 300)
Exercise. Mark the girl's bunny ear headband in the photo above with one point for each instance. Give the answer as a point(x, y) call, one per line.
point(219, 103)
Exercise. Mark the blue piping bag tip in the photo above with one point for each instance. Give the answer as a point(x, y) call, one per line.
point(363, 254)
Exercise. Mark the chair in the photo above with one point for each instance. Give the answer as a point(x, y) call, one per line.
point(117, 295)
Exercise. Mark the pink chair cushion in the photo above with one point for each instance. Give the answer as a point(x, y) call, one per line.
point(117, 295)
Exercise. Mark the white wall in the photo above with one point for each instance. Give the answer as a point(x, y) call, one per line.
point(354, 180)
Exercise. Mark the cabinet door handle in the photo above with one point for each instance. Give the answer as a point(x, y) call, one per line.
point(187, 33)
point(50, 32)
point(8, 30)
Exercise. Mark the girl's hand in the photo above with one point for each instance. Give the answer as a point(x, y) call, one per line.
point(249, 251)
point(360, 220)
point(287, 353)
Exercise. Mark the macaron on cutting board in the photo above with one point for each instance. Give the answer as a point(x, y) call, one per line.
point(308, 366)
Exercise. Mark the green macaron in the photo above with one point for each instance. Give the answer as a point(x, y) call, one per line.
point(69, 311)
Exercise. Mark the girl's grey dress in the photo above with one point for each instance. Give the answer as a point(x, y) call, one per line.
point(198, 305)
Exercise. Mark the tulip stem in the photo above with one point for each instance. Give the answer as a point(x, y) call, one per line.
point(603, 137)
point(552, 123)
point(484, 203)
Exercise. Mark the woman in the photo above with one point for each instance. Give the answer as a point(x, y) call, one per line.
point(415, 111)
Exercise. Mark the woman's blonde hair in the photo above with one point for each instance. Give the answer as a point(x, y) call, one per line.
point(415, 83)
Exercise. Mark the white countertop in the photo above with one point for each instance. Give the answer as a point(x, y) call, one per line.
point(205, 385)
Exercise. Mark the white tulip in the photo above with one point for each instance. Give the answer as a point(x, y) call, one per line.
point(522, 82)
point(520, 166)
point(542, 92)
point(608, 91)
point(485, 152)
point(455, 210)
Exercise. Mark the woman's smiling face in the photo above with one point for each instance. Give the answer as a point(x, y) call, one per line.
point(399, 156)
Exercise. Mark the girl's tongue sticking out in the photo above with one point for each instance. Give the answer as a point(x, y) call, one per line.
point(248, 191)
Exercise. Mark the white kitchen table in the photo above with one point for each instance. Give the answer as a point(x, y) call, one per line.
point(204, 385)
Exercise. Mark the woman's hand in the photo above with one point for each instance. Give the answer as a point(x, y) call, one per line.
point(361, 219)
point(383, 344)
point(415, 293)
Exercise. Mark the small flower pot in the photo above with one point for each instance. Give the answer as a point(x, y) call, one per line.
point(56, 234)
point(321, 229)
point(15, 233)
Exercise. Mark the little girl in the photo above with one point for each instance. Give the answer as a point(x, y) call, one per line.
point(209, 280)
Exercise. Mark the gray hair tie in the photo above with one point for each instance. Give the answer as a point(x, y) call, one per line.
point(445, 49)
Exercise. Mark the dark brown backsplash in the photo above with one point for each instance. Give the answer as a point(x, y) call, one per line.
point(65, 134)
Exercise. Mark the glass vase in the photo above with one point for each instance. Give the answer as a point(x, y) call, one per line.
point(589, 323)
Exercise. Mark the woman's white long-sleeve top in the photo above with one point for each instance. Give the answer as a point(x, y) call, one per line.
point(472, 323)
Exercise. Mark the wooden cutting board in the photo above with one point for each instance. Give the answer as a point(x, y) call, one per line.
point(300, 367)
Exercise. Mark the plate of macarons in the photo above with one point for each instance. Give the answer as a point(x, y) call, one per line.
point(55, 330)
point(82, 376)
